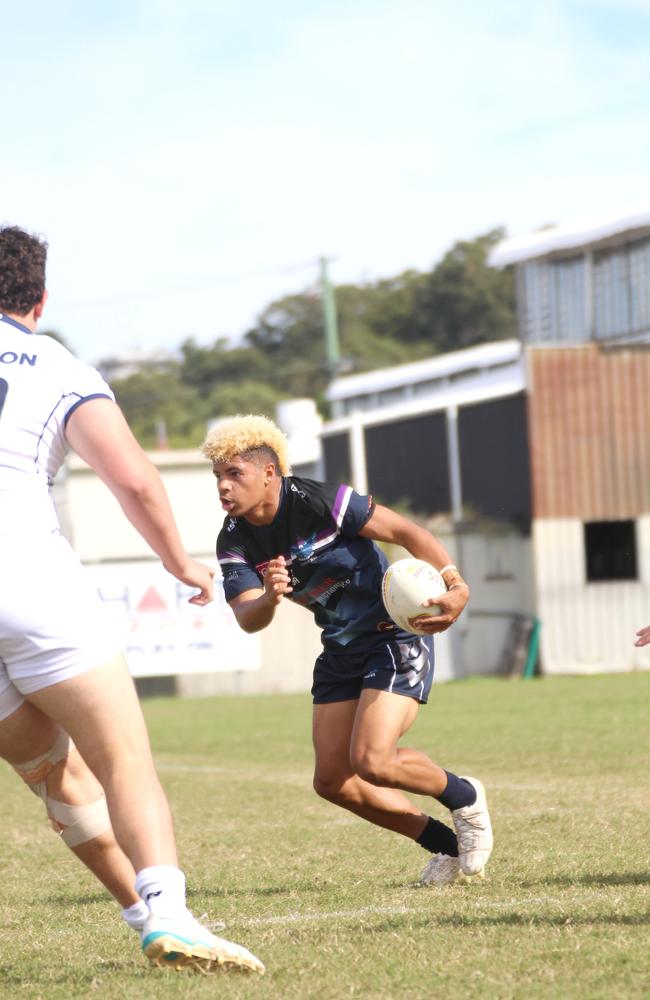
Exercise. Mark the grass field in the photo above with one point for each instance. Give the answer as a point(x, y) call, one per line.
point(329, 902)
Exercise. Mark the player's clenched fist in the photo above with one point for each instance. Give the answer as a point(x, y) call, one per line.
point(277, 581)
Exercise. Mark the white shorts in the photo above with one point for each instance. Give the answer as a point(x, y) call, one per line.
point(52, 624)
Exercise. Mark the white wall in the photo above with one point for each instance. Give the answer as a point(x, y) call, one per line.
point(498, 567)
point(588, 627)
point(99, 530)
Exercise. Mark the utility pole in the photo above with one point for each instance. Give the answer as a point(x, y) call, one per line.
point(329, 316)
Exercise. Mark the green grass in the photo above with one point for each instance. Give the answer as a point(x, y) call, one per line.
point(329, 902)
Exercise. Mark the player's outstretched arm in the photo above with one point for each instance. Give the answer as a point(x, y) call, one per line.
point(385, 525)
point(101, 436)
point(255, 609)
point(643, 636)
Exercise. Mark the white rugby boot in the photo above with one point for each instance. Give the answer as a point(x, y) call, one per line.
point(183, 943)
point(474, 832)
point(441, 869)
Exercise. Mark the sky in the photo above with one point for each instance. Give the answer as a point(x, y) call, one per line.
point(189, 161)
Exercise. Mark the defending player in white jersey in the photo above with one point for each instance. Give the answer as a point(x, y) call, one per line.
point(70, 720)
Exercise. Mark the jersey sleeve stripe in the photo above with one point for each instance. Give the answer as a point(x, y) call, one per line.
point(47, 421)
point(325, 539)
point(341, 502)
point(84, 399)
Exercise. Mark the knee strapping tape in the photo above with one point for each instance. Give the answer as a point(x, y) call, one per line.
point(76, 824)
point(34, 772)
point(79, 824)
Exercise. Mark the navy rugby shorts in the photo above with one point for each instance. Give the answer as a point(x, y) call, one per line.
point(397, 667)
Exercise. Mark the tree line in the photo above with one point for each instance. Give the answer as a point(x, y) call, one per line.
point(459, 303)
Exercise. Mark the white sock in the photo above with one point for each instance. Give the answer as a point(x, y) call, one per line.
point(162, 887)
point(136, 914)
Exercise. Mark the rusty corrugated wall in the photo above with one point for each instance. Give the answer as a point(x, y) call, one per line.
point(590, 432)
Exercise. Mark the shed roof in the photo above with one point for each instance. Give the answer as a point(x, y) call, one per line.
point(569, 235)
point(441, 366)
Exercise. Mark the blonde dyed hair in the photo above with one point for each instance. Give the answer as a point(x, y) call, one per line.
point(242, 435)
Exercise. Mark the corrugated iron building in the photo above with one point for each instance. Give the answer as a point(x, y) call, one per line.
point(589, 415)
point(584, 315)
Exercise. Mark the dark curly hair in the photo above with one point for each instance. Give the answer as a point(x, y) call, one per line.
point(22, 270)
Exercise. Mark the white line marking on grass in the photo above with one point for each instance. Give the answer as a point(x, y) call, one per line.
point(382, 911)
point(300, 777)
point(216, 769)
point(521, 786)
point(194, 768)
point(253, 770)
point(293, 918)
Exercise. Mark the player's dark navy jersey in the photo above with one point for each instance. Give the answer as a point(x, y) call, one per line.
point(335, 573)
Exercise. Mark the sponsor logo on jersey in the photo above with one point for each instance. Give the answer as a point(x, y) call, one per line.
point(324, 590)
point(11, 358)
point(303, 548)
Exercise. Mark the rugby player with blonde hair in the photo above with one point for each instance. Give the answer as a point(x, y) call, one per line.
point(313, 543)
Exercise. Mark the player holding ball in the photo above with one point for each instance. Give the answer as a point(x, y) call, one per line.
point(312, 543)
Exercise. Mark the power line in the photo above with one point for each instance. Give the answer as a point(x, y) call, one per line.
point(204, 285)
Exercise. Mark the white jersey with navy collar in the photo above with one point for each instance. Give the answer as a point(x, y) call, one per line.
point(41, 384)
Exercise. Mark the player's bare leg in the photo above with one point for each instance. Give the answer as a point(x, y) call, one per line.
point(28, 734)
point(101, 712)
point(381, 719)
point(336, 780)
point(360, 767)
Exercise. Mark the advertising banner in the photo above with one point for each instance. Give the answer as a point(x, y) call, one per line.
point(160, 633)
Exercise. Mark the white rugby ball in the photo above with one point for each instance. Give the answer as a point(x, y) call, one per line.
point(406, 584)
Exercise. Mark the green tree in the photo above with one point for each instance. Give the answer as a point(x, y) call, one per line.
point(289, 335)
point(209, 369)
point(376, 322)
point(247, 396)
point(463, 301)
point(158, 404)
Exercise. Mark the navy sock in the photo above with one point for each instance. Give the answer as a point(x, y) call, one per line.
point(438, 838)
point(458, 792)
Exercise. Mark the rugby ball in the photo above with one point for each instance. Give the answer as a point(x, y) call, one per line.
point(406, 584)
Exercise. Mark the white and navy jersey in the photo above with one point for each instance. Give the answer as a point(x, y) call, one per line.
point(41, 384)
point(335, 573)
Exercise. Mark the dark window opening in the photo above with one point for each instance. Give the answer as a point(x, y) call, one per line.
point(407, 463)
point(494, 459)
point(610, 550)
point(336, 455)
